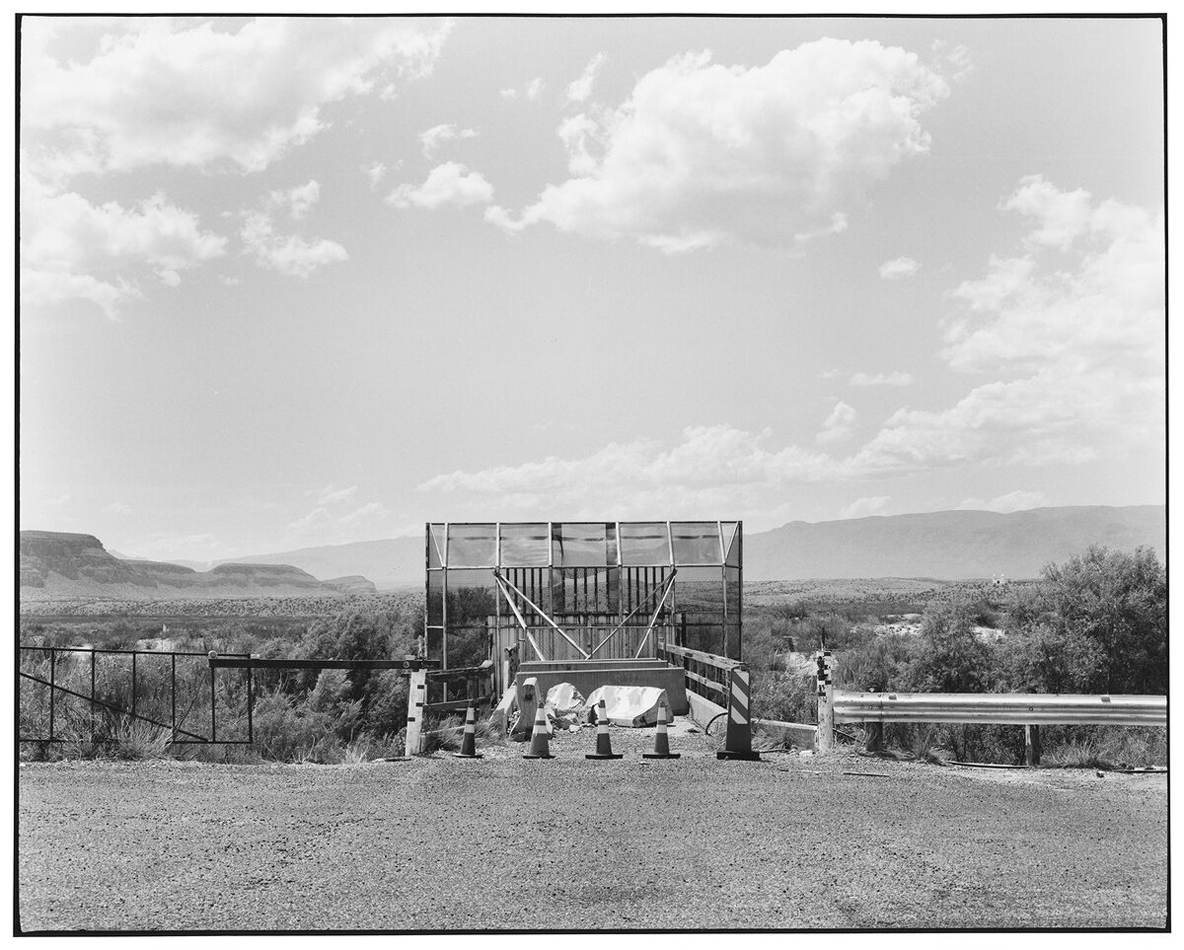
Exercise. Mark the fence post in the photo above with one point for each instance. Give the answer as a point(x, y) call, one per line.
point(824, 736)
point(1031, 745)
point(53, 662)
point(92, 695)
point(416, 698)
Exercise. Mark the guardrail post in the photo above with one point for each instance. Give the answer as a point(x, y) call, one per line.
point(1031, 745)
point(875, 737)
point(824, 736)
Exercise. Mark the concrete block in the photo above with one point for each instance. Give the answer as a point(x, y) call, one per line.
point(589, 675)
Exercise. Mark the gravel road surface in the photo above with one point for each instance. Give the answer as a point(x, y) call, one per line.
point(505, 843)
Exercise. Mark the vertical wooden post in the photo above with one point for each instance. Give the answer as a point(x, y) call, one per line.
point(416, 698)
point(875, 737)
point(1031, 745)
point(824, 737)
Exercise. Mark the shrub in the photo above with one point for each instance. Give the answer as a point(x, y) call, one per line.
point(385, 712)
point(950, 658)
point(1099, 622)
point(287, 729)
point(883, 663)
point(789, 695)
point(137, 740)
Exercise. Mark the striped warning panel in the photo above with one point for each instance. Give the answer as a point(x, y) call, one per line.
point(738, 740)
point(739, 705)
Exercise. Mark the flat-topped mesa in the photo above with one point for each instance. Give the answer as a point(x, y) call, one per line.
point(58, 565)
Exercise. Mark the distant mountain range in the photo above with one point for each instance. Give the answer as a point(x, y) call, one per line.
point(58, 566)
point(950, 545)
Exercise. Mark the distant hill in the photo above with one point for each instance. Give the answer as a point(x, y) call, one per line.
point(56, 565)
point(951, 545)
point(390, 563)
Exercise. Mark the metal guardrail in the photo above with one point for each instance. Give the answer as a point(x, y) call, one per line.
point(1021, 709)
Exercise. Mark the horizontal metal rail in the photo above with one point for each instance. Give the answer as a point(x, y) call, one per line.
point(160, 653)
point(251, 662)
point(1021, 709)
point(711, 659)
point(705, 674)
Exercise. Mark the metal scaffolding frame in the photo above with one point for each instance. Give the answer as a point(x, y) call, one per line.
point(580, 584)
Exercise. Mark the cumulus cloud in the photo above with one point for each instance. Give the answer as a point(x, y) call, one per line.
point(433, 138)
point(297, 201)
point(73, 249)
point(957, 60)
point(706, 456)
point(1073, 328)
point(838, 425)
point(329, 525)
point(701, 153)
point(159, 546)
point(581, 88)
point(532, 90)
point(447, 184)
point(119, 508)
point(864, 507)
point(898, 268)
point(374, 173)
point(1005, 504)
point(160, 90)
point(882, 379)
point(1076, 341)
point(288, 254)
point(139, 92)
point(331, 495)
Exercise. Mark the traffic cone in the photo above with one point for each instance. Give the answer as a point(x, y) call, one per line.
point(468, 745)
point(661, 739)
point(604, 747)
point(539, 749)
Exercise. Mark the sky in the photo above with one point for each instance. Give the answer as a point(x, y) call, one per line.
point(287, 282)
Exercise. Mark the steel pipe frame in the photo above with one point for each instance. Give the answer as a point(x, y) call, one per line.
point(230, 660)
point(1001, 708)
point(498, 565)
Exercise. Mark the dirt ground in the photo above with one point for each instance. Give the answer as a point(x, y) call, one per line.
point(505, 843)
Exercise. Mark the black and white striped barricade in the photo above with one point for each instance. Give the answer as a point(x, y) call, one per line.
point(738, 741)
